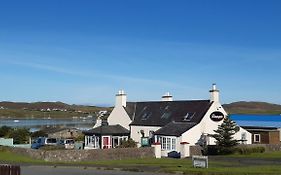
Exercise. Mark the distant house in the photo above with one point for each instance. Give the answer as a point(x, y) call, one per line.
point(63, 133)
point(264, 135)
point(170, 123)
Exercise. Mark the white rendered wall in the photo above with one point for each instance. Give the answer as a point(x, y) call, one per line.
point(119, 116)
point(136, 134)
point(207, 126)
point(238, 135)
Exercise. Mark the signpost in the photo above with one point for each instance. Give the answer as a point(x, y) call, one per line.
point(200, 161)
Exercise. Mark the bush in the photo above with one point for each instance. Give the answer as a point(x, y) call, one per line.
point(130, 143)
point(248, 150)
point(5, 130)
point(39, 133)
point(20, 135)
point(216, 150)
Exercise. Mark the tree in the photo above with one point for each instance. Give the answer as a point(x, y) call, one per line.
point(4, 131)
point(20, 135)
point(224, 136)
point(39, 133)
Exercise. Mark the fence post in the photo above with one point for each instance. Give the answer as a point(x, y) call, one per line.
point(9, 170)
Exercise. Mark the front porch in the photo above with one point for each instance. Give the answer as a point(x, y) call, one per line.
point(105, 137)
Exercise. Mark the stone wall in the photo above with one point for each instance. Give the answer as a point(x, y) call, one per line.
point(195, 150)
point(87, 155)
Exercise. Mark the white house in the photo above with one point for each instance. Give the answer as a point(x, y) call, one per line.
point(175, 124)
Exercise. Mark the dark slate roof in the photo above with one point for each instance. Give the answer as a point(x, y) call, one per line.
point(160, 113)
point(131, 109)
point(110, 130)
point(175, 128)
point(259, 128)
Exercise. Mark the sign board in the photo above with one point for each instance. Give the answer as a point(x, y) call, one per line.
point(144, 141)
point(217, 116)
point(200, 161)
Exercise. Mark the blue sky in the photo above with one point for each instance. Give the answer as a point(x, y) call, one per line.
point(83, 52)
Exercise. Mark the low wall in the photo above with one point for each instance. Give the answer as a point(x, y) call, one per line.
point(268, 147)
point(6, 141)
point(195, 150)
point(87, 155)
point(10, 142)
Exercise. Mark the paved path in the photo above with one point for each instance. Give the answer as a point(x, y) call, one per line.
point(65, 170)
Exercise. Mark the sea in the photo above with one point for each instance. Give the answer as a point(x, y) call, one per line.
point(257, 120)
point(83, 123)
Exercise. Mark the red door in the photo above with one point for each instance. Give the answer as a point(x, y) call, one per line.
point(106, 142)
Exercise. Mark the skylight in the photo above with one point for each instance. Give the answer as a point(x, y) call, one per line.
point(145, 113)
point(188, 116)
point(166, 113)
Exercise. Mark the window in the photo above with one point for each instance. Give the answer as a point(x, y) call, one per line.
point(257, 138)
point(92, 141)
point(117, 140)
point(173, 144)
point(188, 116)
point(243, 137)
point(145, 113)
point(166, 113)
point(168, 143)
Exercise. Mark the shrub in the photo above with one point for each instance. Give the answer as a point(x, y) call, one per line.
point(248, 150)
point(130, 143)
point(216, 150)
point(20, 135)
point(39, 133)
point(5, 130)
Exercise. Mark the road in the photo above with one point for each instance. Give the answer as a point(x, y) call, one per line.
point(60, 170)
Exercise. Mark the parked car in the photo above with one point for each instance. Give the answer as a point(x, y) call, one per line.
point(42, 141)
point(68, 143)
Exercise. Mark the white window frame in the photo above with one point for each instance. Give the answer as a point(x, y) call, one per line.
point(92, 141)
point(168, 143)
point(120, 139)
point(257, 140)
point(243, 137)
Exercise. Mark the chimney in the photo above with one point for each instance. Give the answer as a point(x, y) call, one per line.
point(121, 98)
point(167, 97)
point(214, 92)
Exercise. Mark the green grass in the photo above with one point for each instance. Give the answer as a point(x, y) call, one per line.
point(9, 157)
point(166, 164)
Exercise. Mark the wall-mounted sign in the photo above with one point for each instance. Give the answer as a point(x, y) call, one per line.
point(144, 141)
point(217, 116)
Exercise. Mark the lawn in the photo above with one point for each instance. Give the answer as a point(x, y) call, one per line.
point(216, 166)
point(9, 157)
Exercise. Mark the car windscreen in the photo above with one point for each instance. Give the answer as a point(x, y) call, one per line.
point(51, 140)
point(69, 142)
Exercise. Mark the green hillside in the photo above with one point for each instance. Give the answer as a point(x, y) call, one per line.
point(46, 109)
point(243, 107)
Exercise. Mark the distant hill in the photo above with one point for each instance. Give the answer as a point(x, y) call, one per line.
point(43, 109)
point(243, 107)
